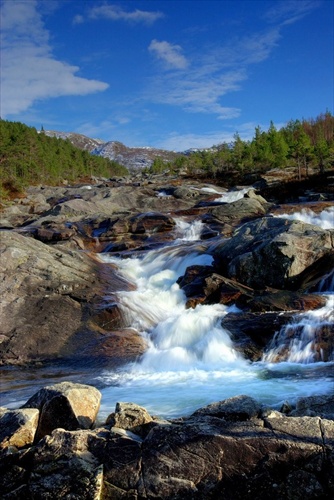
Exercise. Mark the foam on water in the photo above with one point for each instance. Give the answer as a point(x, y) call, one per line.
point(231, 196)
point(297, 342)
point(191, 360)
point(324, 219)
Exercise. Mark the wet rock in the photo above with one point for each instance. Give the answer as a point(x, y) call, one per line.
point(114, 348)
point(18, 427)
point(252, 332)
point(322, 406)
point(281, 300)
point(274, 252)
point(49, 299)
point(151, 223)
point(66, 405)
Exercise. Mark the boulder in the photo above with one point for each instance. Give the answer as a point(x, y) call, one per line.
point(129, 416)
point(51, 300)
point(252, 332)
point(229, 449)
point(66, 405)
point(275, 252)
point(237, 408)
point(322, 406)
point(240, 211)
point(18, 427)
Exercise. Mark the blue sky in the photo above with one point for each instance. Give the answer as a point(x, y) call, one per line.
point(172, 74)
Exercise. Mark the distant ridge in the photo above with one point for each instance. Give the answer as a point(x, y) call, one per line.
point(131, 158)
point(78, 140)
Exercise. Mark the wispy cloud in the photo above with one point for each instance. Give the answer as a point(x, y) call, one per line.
point(116, 13)
point(290, 11)
point(169, 54)
point(181, 142)
point(29, 71)
point(203, 80)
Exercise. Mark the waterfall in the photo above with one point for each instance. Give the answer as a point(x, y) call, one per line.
point(189, 231)
point(324, 219)
point(231, 196)
point(191, 360)
point(300, 340)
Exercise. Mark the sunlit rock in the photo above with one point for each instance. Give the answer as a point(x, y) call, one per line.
point(66, 405)
point(18, 427)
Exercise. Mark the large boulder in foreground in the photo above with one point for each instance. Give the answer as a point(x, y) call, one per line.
point(277, 253)
point(66, 405)
point(229, 449)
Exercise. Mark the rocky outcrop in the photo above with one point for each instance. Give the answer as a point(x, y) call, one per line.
point(278, 253)
point(52, 302)
point(230, 449)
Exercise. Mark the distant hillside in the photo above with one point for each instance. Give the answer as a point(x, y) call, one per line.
point(131, 158)
point(30, 157)
point(78, 140)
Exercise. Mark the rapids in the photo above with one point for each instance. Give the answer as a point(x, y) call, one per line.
point(190, 360)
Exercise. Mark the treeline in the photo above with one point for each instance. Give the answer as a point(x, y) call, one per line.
point(302, 144)
point(28, 157)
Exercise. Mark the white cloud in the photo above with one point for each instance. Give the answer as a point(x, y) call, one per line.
point(182, 142)
point(29, 72)
point(199, 87)
point(169, 53)
point(116, 13)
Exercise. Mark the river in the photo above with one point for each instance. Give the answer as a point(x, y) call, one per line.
point(191, 361)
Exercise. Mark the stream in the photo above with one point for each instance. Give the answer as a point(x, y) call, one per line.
point(190, 360)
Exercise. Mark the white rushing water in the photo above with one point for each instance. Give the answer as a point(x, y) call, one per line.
point(324, 219)
point(190, 360)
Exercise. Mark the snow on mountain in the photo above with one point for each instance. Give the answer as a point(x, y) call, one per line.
point(131, 158)
point(78, 140)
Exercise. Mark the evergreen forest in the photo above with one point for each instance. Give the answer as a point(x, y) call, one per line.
point(28, 157)
point(305, 145)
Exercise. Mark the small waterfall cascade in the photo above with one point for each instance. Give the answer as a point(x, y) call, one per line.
point(303, 340)
point(231, 196)
point(191, 360)
point(178, 338)
point(189, 231)
point(324, 219)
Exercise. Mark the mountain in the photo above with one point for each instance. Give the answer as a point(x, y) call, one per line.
point(78, 140)
point(131, 158)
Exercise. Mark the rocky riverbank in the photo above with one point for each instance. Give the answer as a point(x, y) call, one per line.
point(57, 296)
point(52, 448)
point(59, 303)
